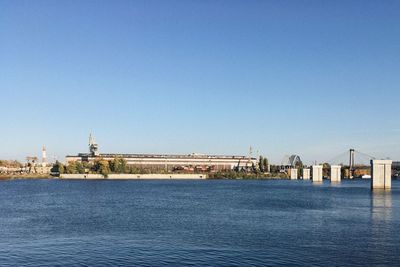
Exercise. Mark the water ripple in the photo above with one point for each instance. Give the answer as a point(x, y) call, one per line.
point(197, 223)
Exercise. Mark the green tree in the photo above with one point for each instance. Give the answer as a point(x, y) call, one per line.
point(326, 168)
point(113, 165)
point(87, 166)
point(261, 164)
point(265, 164)
point(58, 167)
point(104, 167)
point(275, 168)
point(71, 168)
point(123, 166)
point(96, 166)
point(119, 165)
point(79, 167)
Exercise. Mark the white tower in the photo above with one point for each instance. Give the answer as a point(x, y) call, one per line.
point(44, 157)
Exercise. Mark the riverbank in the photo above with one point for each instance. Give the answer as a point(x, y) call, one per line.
point(210, 176)
point(134, 176)
point(24, 176)
point(228, 175)
point(246, 175)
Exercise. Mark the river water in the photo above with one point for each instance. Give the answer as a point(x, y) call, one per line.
point(201, 223)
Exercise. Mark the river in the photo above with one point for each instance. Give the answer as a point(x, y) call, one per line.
point(197, 222)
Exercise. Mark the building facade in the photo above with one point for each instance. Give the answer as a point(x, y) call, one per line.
point(190, 162)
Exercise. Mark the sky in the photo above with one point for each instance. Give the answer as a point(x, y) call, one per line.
point(312, 78)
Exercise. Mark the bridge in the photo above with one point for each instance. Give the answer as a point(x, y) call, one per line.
point(380, 170)
point(355, 159)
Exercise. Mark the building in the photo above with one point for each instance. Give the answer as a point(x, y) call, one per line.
point(154, 162)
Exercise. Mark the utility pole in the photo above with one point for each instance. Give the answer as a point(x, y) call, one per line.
point(249, 162)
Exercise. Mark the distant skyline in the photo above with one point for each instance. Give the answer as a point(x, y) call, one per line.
point(312, 78)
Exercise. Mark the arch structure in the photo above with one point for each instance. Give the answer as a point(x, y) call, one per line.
point(291, 161)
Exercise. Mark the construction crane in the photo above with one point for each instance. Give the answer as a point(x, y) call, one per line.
point(93, 146)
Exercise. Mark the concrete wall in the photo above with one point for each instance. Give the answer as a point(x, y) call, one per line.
point(381, 177)
point(157, 176)
point(293, 174)
point(134, 176)
point(306, 174)
point(317, 173)
point(336, 175)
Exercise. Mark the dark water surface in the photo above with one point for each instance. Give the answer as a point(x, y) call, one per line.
point(230, 223)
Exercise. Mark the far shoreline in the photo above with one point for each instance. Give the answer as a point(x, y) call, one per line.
point(134, 177)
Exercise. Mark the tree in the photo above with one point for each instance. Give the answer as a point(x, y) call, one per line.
point(123, 166)
point(265, 164)
point(326, 167)
point(87, 166)
point(104, 167)
point(96, 166)
point(113, 165)
point(118, 165)
point(79, 167)
point(275, 168)
point(261, 164)
point(58, 167)
point(71, 168)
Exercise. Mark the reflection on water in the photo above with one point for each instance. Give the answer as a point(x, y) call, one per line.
point(381, 205)
point(381, 221)
point(317, 182)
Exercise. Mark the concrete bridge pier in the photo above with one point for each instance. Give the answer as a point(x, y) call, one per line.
point(293, 174)
point(306, 174)
point(381, 174)
point(317, 173)
point(336, 175)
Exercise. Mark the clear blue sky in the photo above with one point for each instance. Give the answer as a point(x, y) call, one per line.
point(307, 77)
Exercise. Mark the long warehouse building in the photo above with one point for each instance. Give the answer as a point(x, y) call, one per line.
point(193, 161)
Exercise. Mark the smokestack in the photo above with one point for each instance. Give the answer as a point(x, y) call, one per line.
point(44, 156)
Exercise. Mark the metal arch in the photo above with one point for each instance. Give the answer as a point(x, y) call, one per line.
point(296, 159)
point(291, 160)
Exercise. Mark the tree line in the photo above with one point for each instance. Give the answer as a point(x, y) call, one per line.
point(99, 166)
point(119, 165)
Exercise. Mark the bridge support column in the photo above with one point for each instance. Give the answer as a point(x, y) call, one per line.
point(293, 174)
point(381, 174)
point(336, 175)
point(306, 174)
point(317, 173)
